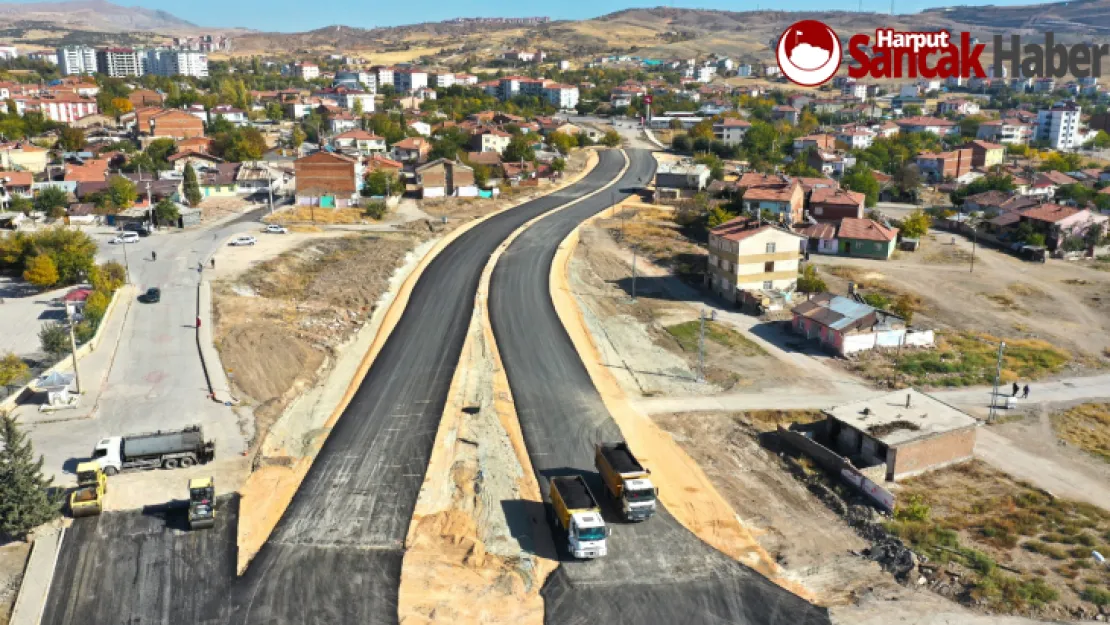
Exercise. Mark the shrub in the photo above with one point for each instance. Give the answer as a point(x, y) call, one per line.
point(1045, 549)
point(1096, 595)
point(96, 306)
point(915, 509)
point(877, 300)
point(375, 210)
point(54, 339)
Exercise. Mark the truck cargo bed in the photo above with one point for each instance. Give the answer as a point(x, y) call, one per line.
point(576, 495)
point(620, 458)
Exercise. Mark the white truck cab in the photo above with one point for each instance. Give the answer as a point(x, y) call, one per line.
point(587, 536)
point(106, 454)
point(638, 499)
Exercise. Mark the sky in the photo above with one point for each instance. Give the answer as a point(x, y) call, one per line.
point(300, 15)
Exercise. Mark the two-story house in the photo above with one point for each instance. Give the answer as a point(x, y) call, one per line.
point(327, 180)
point(784, 201)
point(359, 141)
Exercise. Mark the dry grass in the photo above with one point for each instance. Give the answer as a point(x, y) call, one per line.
point(316, 215)
point(1086, 426)
point(769, 420)
point(980, 518)
point(1002, 300)
point(946, 255)
point(687, 335)
point(1022, 289)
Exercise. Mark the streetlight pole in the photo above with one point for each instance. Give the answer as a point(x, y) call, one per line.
point(997, 379)
point(126, 265)
point(73, 347)
point(270, 187)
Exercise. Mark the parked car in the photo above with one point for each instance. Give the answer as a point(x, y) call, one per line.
point(152, 295)
point(127, 237)
point(243, 239)
point(276, 229)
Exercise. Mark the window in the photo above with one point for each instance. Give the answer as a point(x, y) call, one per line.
point(768, 285)
point(770, 248)
point(769, 267)
point(817, 210)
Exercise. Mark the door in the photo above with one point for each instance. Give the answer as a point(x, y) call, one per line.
point(327, 201)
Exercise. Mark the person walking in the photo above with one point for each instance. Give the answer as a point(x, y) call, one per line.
point(1025, 393)
point(153, 255)
point(198, 323)
point(1016, 389)
point(213, 262)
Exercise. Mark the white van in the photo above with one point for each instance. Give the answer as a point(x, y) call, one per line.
point(127, 237)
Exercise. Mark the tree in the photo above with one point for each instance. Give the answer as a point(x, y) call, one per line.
point(72, 139)
point(122, 193)
point(191, 186)
point(121, 106)
point(376, 209)
point(907, 178)
point(519, 149)
point(166, 211)
point(20, 204)
point(558, 165)
point(380, 183)
point(761, 143)
point(562, 141)
point(13, 370)
point(52, 201)
point(969, 126)
point(356, 109)
point(54, 339)
point(719, 215)
point(916, 225)
point(904, 307)
point(809, 282)
point(859, 178)
point(41, 272)
point(107, 277)
point(1100, 141)
point(25, 498)
point(96, 306)
point(297, 138)
point(681, 143)
point(611, 139)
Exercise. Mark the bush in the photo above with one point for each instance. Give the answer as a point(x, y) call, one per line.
point(54, 339)
point(915, 509)
point(877, 300)
point(96, 306)
point(375, 210)
point(41, 272)
point(1096, 595)
point(84, 331)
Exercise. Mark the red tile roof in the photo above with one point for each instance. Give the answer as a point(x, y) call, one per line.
point(825, 195)
point(1050, 213)
point(866, 229)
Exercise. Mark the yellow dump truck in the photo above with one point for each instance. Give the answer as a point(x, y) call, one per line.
point(627, 480)
point(577, 513)
point(88, 499)
point(202, 502)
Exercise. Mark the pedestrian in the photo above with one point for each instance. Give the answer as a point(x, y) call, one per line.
point(198, 326)
point(153, 255)
point(1016, 389)
point(1025, 393)
point(213, 263)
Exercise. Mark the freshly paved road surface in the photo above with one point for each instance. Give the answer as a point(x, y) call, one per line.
point(335, 557)
point(657, 571)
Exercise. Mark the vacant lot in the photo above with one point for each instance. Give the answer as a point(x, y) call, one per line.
point(279, 323)
point(653, 233)
point(1087, 427)
point(1064, 304)
point(1005, 546)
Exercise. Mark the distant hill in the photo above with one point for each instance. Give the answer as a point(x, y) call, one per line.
point(90, 15)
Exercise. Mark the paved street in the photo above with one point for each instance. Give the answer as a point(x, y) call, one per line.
point(156, 380)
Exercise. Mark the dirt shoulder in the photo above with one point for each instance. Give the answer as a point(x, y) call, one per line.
point(13, 560)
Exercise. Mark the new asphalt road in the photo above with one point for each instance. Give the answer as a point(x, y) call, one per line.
point(656, 571)
point(335, 557)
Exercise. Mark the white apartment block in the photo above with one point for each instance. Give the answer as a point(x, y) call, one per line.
point(730, 131)
point(8, 52)
point(73, 60)
point(1059, 126)
point(562, 97)
point(119, 62)
point(441, 80)
point(854, 90)
point(407, 80)
point(167, 62)
point(384, 75)
point(705, 73)
point(46, 56)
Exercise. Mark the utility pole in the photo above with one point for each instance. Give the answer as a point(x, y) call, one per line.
point(73, 347)
point(270, 187)
point(633, 273)
point(126, 265)
point(974, 242)
point(701, 342)
point(997, 377)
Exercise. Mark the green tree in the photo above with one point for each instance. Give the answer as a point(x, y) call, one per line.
point(380, 183)
point(13, 371)
point(190, 186)
point(356, 109)
point(859, 178)
point(682, 143)
point(916, 224)
point(719, 215)
point(562, 141)
point(274, 112)
point(72, 139)
point(122, 193)
point(519, 149)
point(1100, 141)
point(761, 144)
point(298, 137)
point(52, 201)
point(904, 307)
point(96, 306)
point(907, 178)
point(54, 339)
point(558, 165)
point(376, 209)
point(166, 211)
point(25, 498)
point(969, 126)
point(107, 277)
point(810, 282)
point(20, 204)
point(611, 139)
point(41, 272)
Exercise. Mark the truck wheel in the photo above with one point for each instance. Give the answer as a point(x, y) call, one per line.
point(170, 464)
point(187, 462)
point(110, 471)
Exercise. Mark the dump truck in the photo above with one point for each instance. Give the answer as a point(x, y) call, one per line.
point(577, 513)
point(169, 450)
point(202, 502)
point(88, 498)
point(627, 480)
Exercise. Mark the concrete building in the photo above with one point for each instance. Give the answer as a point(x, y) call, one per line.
point(833, 204)
point(76, 60)
point(682, 176)
point(941, 166)
point(866, 238)
point(410, 79)
point(934, 125)
point(985, 154)
point(746, 254)
point(1059, 126)
point(168, 62)
point(446, 178)
point(730, 131)
point(907, 431)
point(1006, 131)
point(784, 201)
point(327, 180)
point(119, 62)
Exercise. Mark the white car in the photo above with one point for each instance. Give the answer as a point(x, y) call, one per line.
point(127, 237)
point(276, 229)
point(243, 239)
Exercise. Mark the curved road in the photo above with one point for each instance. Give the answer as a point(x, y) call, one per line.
point(335, 557)
point(657, 571)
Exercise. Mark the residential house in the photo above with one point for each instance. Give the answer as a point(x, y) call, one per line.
point(199, 160)
point(855, 138)
point(380, 162)
point(866, 238)
point(140, 98)
point(219, 181)
point(328, 180)
point(21, 155)
point(682, 175)
point(820, 237)
point(256, 177)
point(784, 201)
point(935, 125)
point(490, 140)
point(831, 162)
point(829, 204)
point(846, 326)
point(412, 150)
point(446, 178)
point(17, 182)
point(747, 254)
point(170, 123)
point(819, 141)
point(985, 154)
point(1058, 223)
point(957, 106)
point(941, 166)
point(730, 130)
point(341, 122)
point(360, 141)
point(228, 113)
point(787, 113)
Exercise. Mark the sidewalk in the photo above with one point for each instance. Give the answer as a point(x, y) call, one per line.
point(214, 370)
point(37, 577)
point(93, 366)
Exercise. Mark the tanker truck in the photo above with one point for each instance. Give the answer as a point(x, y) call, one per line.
point(168, 450)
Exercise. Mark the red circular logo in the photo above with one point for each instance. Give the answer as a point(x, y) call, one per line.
point(809, 53)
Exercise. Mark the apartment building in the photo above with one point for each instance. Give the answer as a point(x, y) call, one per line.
point(76, 60)
point(168, 62)
point(1059, 126)
point(119, 62)
point(1007, 131)
point(730, 131)
point(409, 79)
point(746, 254)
